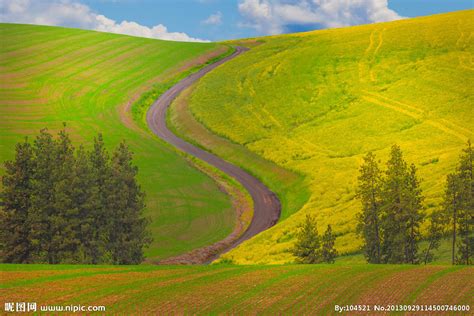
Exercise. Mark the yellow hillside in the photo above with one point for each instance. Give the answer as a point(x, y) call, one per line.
point(314, 103)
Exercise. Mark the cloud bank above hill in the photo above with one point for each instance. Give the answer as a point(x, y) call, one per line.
point(213, 19)
point(74, 14)
point(278, 16)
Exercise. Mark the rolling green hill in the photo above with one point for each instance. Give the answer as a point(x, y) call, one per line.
point(312, 104)
point(51, 75)
point(243, 290)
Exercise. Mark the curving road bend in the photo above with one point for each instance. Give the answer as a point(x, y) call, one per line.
point(267, 206)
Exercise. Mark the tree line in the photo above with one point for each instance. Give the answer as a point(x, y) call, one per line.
point(310, 248)
point(60, 204)
point(392, 211)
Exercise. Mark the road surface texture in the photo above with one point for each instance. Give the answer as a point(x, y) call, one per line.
point(267, 206)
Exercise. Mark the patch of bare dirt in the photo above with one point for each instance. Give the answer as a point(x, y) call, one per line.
point(243, 209)
point(125, 109)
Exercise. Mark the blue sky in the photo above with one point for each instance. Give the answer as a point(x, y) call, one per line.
point(178, 15)
point(187, 15)
point(217, 19)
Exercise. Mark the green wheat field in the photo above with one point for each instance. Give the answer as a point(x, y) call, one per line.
point(223, 289)
point(51, 75)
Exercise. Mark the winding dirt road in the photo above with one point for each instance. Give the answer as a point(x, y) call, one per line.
point(267, 206)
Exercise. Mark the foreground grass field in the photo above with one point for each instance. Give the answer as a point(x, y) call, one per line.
point(314, 103)
point(51, 75)
point(288, 289)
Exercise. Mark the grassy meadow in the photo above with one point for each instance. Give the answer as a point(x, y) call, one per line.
point(313, 104)
point(224, 289)
point(51, 75)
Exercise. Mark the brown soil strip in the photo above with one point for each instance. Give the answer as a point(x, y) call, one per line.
point(267, 206)
point(124, 110)
point(243, 207)
point(451, 287)
point(395, 287)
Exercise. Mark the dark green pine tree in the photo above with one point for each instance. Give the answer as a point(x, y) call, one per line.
point(413, 214)
point(369, 193)
point(435, 233)
point(125, 203)
point(465, 241)
point(85, 194)
point(43, 212)
point(58, 207)
point(459, 204)
point(328, 252)
point(16, 203)
point(65, 221)
point(452, 205)
point(101, 173)
point(394, 222)
point(466, 211)
point(307, 248)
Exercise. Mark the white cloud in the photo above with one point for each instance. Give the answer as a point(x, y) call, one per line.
point(74, 14)
point(213, 19)
point(272, 16)
point(132, 28)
